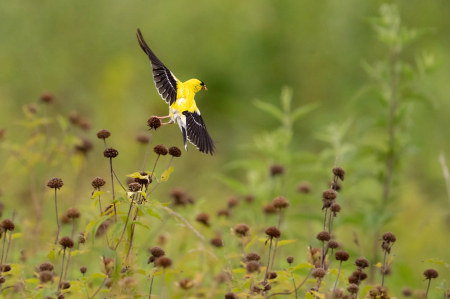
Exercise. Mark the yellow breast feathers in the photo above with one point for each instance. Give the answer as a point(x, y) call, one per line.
point(185, 95)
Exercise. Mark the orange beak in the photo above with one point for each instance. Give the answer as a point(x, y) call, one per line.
point(204, 87)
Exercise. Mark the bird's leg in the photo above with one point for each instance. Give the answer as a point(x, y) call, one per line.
point(161, 117)
point(169, 123)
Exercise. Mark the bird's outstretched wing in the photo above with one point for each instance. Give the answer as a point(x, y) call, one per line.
point(197, 134)
point(165, 81)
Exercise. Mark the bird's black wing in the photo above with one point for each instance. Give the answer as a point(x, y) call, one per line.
point(165, 81)
point(197, 134)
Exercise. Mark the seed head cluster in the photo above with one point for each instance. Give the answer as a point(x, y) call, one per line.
point(154, 123)
point(73, 213)
point(203, 218)
point(323, 236)
point(252, 256)
point(339, 172)
point(110, 153)
point(273, 232)
point(342, 255)
point(280, 202)
point(157, 251)
point(242, 230)
point(98, 182)
point(290, 259)
point(55, 183)
point(163, 262)
point(362, 262)
point(161, 150)
point(174, 151)
point(252, 266)
point(8, 225)
point(66, 242)
point(103, 134)
point(431, 273)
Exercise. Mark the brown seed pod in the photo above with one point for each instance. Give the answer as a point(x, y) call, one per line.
point(81, 239)
point(338, 293)
point(329, 194)
point(163, 262)
point(45, 267)
point(231, 296)
point(252, 256)
point(154, 123)
point(339, 172)
point(276, 169)
point(85, 146)
point(342, 255)
point(145, 181)
point(407, 292)
point(323, 236)
point(161, 150)
point(66, 242)
point(72, 213)
point(110, 153)
point(142, 138)
point(103, 134)
point(353, 289)
point(272, 275)
point(336, 208)
point(249, 198)
point(60, 296)
point(431, 273)
point(203, 218)
point(333, 244)
point(157, 251)
point(241, 230)
point(280, 202)
point(98, 182)
point(361, 275)
point(362, 262)
point(175, 151)
point(8, 225)
point(83, 270)
point(269, 209)
point(352, 279)
point(232, 202)
point(252, 266)
point(224, 213)
point(55, 183)
point(6, 268)
point(134, 187)
point(273, 232)
point(47, 98)
point(65, 285)
point(304, 187)
point(217, 242)
point(319, 273)
point(290, 259)
point(389, 237)
point(84, 123)
point(45, 276)
point(186, 284)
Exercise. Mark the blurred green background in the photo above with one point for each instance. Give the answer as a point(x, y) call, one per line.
point(87, 55)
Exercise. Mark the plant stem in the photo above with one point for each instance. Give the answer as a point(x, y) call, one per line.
point(428, 288)
point(243, 247)
point(95, 294)
point(325, 219)
point(148, 149)
point(337, 278)
point(70, 250)
point(154, 166)
point(303, 282)
point(151, 285)
point(295, 288)
point(57, 219)
point(119, 181)
point(384, 268)
point(268, 261)
point(112, 187)
point(3, 251)
point(101, 212)
point(164, 285)
point(276, 241)
point(126, 223)
point(62, 271)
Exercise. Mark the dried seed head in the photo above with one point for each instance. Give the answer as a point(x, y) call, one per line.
point(103, 134)
point(241, 230)
point(304, 187)
point(203, 218)
point(362, 262)
point(319, 273)
point(431, 273)
point(45, 267)
point(407, 292)
point(84, 123)
point(142, 138)
point(102, 229)
point(85, 146)
point(388, 270)
point(249, 198)
point(252, 266)
point(175, 151)
point(217, 242)
point(338, 293)
point(389, 237)
point(8, 225)
point(128, 282)
point(134, 187)
point(163, 262)
point(339, 172)
point(160, 150)
point(65, 219)
point(252, 256)
point(336, 186)
point(342, 255)
point(32, 108)
point(290, 259)
point(222, 277)
point(232, 202)
point(323, 236)
point(47, 98)
point(60, 296)
point(336, 208)
point(45, 276)
point(81, 239)
point(329, 194)
point(151, 259)
point(333, 244)
point(157, 251)
point(74, 118)
point(186, 284)
point(269, 209)
point(353, 289)
point(65, 285)
point(6, 268)
point(145, 181)
point(161, 240)
point(110, 153)
point(280, 202)
point(83, 270)
point(231, 296)
point(273, 232)
point(374, 292)
point(361, 275)
point(224, 213)
point(66, 242)
point(73, 213)
point(98, 182)
point(108, 283)
point(276, 169)
point(272, 275)
point(55, 183)
point(154, 123)
point(267, 286)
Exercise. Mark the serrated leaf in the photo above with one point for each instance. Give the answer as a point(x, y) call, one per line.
point(166, 174)
point(286, 242)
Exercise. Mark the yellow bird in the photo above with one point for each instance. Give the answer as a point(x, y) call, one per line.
point(180, 97)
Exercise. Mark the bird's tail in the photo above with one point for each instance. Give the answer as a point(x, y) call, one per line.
point(183, 131)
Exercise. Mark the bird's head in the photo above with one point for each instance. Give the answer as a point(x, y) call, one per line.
point(197, 85)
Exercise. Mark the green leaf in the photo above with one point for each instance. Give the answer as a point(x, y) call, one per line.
point(97, 275)
point(303, 110)
point(92, 227)
point(137, 175)
point(303, 265)
point(321, 296)
point(365, 290)
point(78, 252)
point(62, 122)
point(239, 270)
point(269, 108)
point(32, 280)
point(166, 174)
point(391, 260)
point(16, 236)
point(247, 247)
point(443, 285)
point(286, 242)
point(139, 223)
point(438, 261)
point(97, 193)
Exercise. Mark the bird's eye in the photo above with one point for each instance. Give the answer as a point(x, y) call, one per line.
point(202, 84)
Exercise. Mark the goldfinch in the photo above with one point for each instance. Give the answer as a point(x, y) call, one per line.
point(180, 97)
